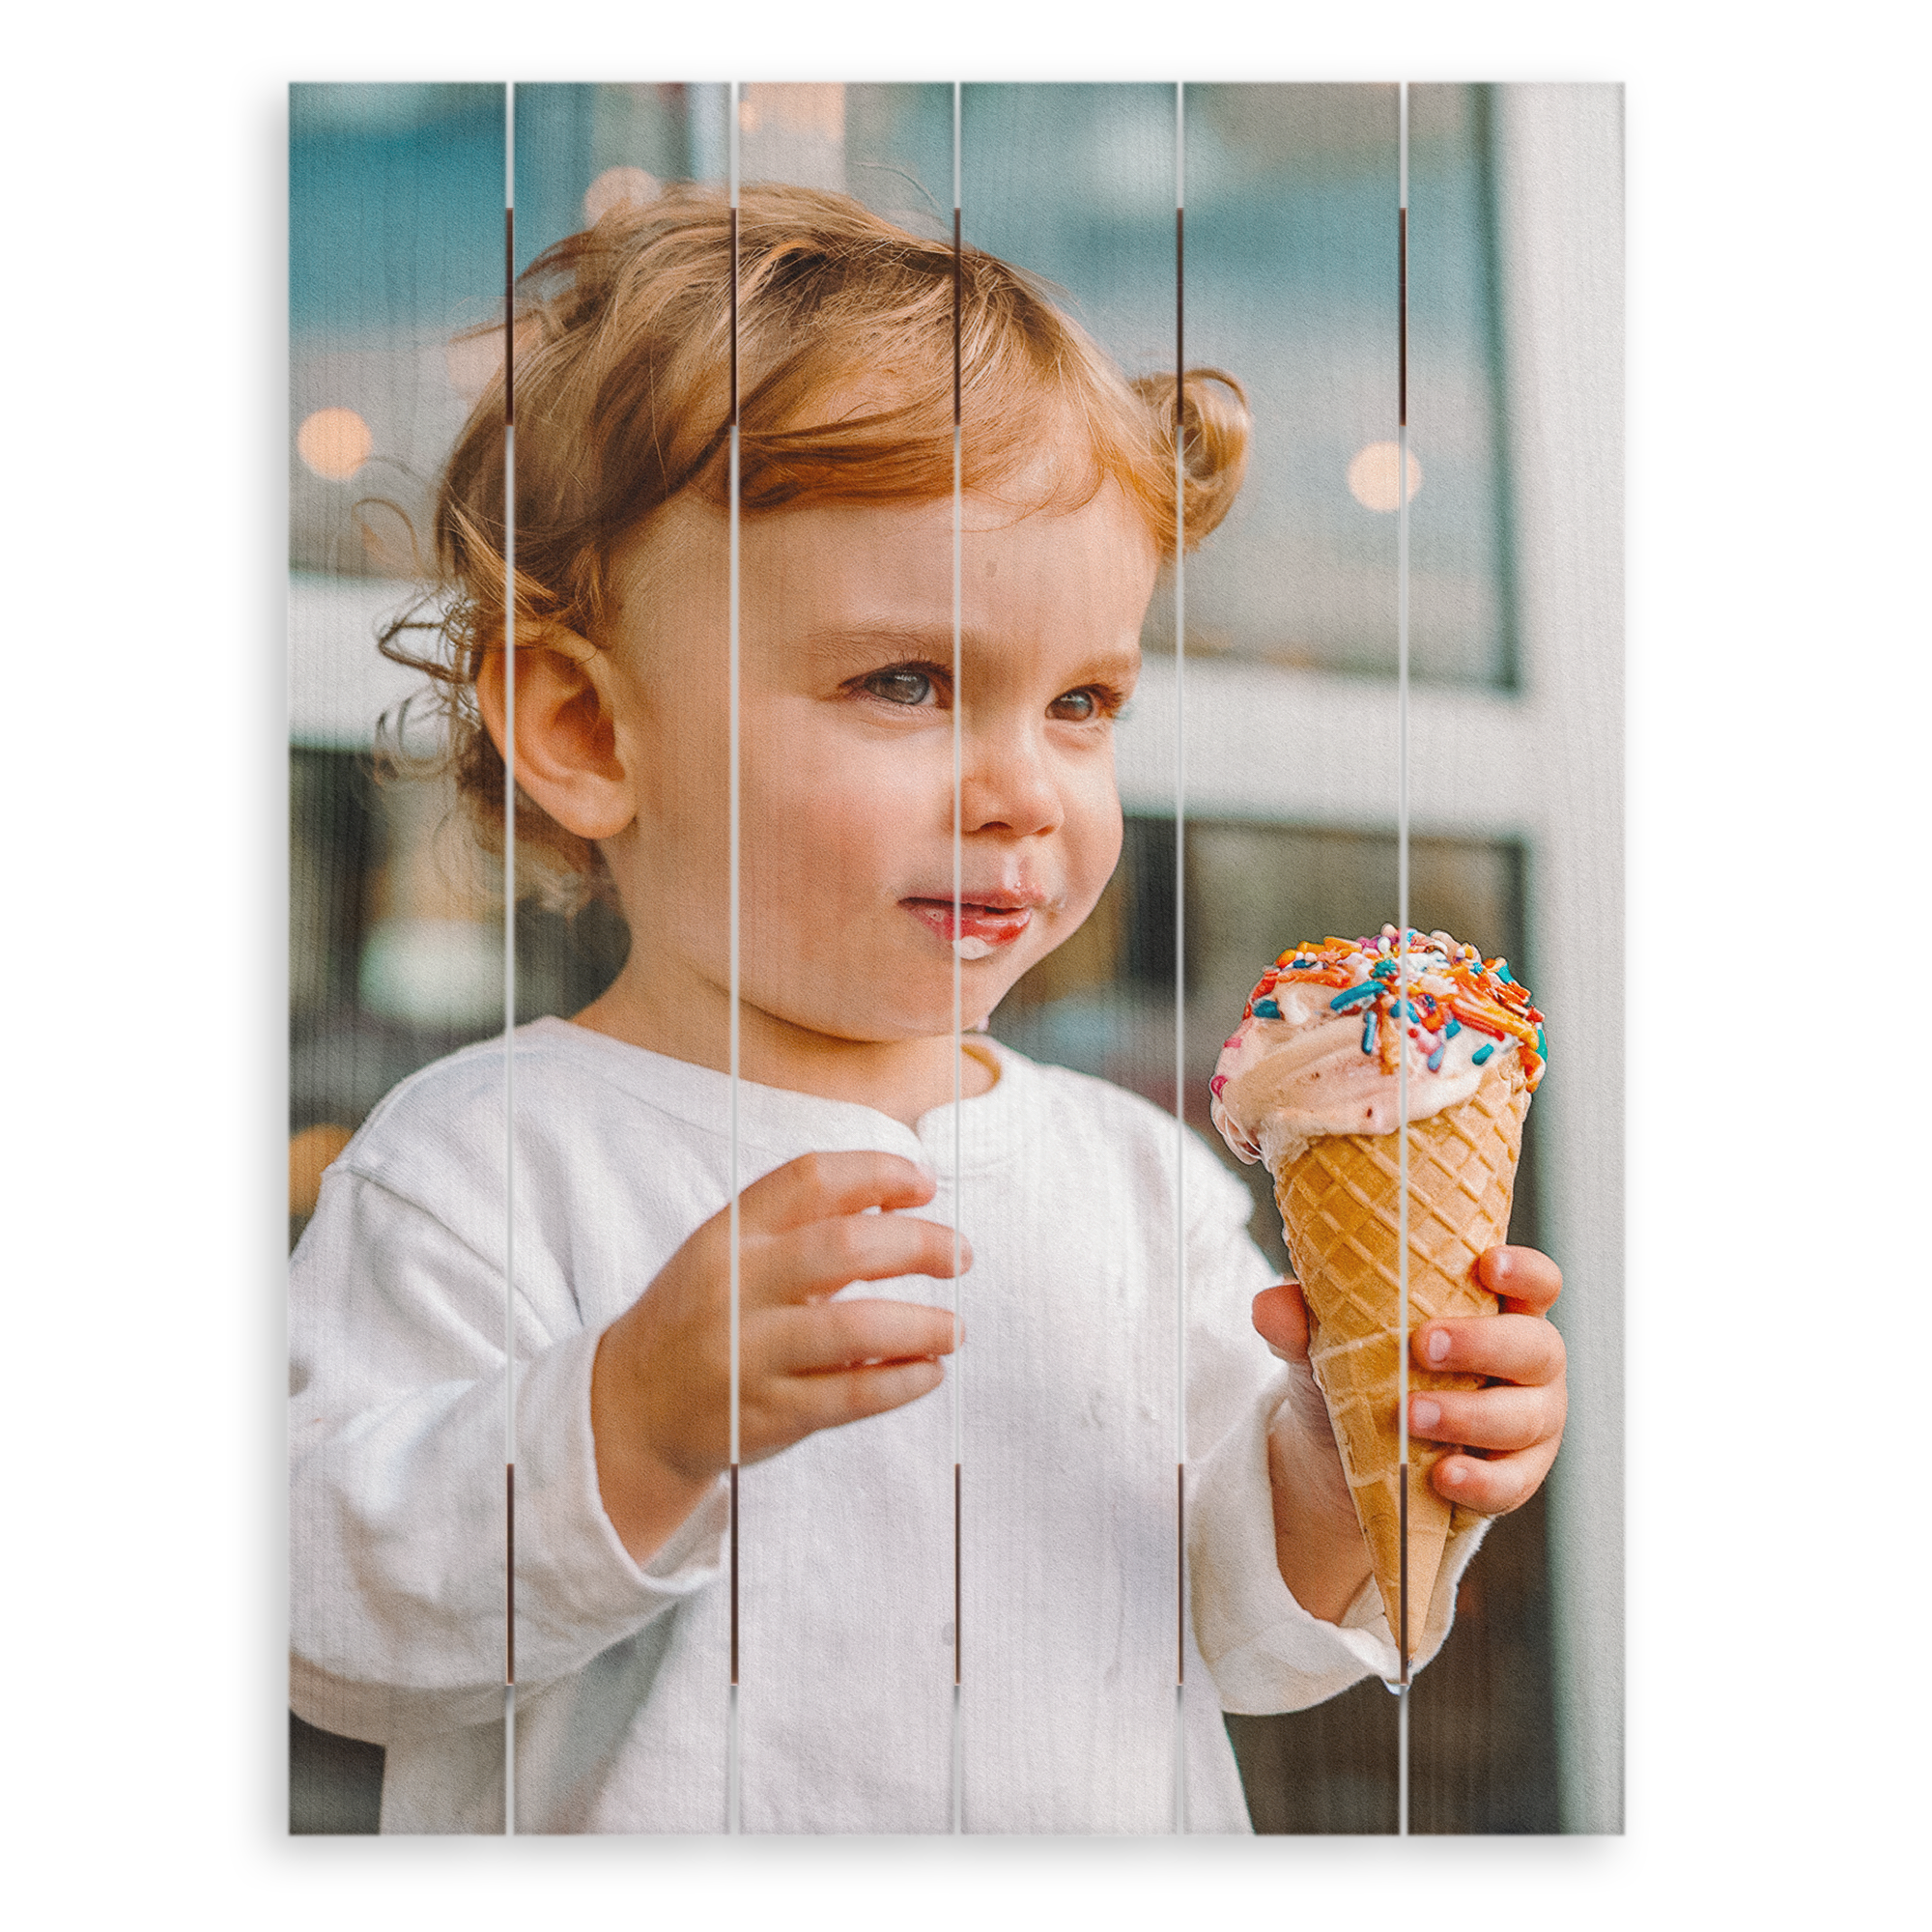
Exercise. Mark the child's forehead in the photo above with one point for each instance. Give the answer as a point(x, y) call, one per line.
point(1078, 571)
point(1046, 504)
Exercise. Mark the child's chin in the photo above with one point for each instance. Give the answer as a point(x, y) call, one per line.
point(920, 1005)
point(939, 1017)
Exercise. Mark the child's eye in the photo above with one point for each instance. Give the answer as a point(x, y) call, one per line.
point(1082, 706)
point(902, 684)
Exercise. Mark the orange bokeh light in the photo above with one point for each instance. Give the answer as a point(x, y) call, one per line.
point(335, 442)
point(620, 187)
point(1372, 477)
point(795, 107)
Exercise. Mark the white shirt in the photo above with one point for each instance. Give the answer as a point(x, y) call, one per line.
point(1069, 1475)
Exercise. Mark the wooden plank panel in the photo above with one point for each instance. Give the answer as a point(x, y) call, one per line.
point(846, 1557)
point(1070, 1379)
point(1518, 559)
point(1292, 289)
point(623, 1101)
point(397, 949)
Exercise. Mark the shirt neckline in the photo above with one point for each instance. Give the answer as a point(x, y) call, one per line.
point(777, 1118)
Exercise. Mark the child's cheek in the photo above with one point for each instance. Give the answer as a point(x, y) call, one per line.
point(1097, 845)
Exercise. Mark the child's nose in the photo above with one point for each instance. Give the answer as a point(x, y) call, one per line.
point(1006, 783)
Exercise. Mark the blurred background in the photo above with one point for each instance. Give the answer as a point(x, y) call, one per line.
point(1285, 714)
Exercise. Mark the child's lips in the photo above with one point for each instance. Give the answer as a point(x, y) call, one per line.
point(984, 926)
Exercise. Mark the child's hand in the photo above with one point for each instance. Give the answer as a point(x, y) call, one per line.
point(1516, 1424)
point(660, 1388)
point(1519, 1421)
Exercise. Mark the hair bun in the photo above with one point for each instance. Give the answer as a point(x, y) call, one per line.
point(1215, 430)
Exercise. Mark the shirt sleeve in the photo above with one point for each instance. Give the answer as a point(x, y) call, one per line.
point(398, 1483)
point(1267, 1653)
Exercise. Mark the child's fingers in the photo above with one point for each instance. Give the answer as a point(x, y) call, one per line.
point(819, 1187)
point(821, 1259)
point(1512, 1347)
point(1507, 1419)
point(849, 1334)
point(1281, 1320)
point(1527, 1281)
point(1495, 1486)
point(826, 1402)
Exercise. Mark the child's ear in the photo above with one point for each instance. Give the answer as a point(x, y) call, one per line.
point(566, 732)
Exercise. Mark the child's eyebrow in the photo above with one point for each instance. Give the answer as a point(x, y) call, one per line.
point(932, 643)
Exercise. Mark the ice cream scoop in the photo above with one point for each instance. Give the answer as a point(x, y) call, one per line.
point(1313, 1082)
point(1320, 1045)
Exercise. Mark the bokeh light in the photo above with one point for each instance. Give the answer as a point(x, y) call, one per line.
point(309, 1153)
point(795, 107)
point(620, 187)
point(471, 362)
point(1372, 477)
point(335, 442)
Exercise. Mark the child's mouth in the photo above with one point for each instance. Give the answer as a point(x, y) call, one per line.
point(982, 927)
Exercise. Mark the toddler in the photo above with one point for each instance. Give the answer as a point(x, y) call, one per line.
point(1065, 1617)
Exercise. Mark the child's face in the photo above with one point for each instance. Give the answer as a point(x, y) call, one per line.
point(847, 748)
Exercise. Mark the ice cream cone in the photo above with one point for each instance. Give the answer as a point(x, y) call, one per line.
point(1340, 1205)
point(1339, 1042)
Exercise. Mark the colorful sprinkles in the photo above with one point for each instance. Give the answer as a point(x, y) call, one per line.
point(1450, 987)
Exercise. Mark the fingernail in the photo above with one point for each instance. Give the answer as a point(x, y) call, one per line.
point(1437, 1348)
point(1450, 1476)
point(1424, 1413)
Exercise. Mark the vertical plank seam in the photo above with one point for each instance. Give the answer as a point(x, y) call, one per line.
point(733, 1752)
point(959, 1760)
point(1402, 944)
point(509, 957)
point(1179, 956)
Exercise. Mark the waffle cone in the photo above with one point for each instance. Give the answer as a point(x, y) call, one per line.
point(1340, 1201)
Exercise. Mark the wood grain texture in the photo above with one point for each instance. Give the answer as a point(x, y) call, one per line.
point(1515, 405)
point(1560, 193)
point(1291, 287)
point(1077, 186)
point(396, 197)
